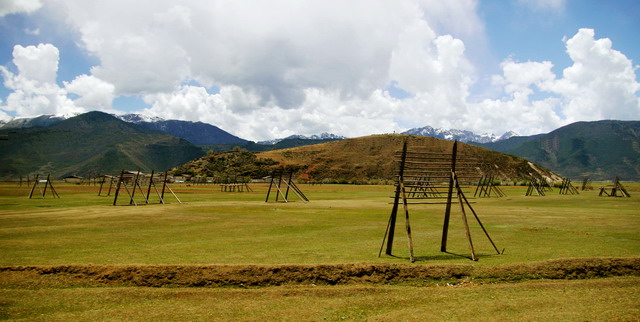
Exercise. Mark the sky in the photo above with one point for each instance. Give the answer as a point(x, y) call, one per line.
point(269, 69)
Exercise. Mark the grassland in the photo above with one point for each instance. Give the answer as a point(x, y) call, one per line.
point(342, 225)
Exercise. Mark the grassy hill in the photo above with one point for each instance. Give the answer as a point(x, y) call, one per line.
point(89, 144)
point(359, 160)
point(600, 150)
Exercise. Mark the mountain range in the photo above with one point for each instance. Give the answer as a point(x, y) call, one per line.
point(90, 144)
point(323, 136)
point(38, 121)
point(200, 133)
point(460, 135)
point(197, 133)
point(600, 150)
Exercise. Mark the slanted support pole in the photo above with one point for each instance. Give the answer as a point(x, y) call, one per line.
point(101, 184)
point(273, 173)
point(54, 193)
point(115, 198)
point(464, 217)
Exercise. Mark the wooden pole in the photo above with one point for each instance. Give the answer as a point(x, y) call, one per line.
point(174, 195)
point(115, 198)
point(464, 216)
point(480, 223)
point(391, 225)
point(35, 182)
point(135, 182)
point(279, 185)
point(480, 183)
point(164, 184)
point(46, 183)
point(280, 193)
point(110, 185)
point(54, 193)
point(149, 189)
point(406, 221)
point(288, 183)
point(298, 192)
point(447, 212)
point(101, 183)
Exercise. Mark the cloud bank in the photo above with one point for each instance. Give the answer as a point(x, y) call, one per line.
point(19, 6)
point(270, 69)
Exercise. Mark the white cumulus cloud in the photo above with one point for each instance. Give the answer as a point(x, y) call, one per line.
point(34, 87)
point(600, 84)
point(93, 93)
point(18, 6)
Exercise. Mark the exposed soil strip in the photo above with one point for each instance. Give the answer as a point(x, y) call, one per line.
point(262, 275)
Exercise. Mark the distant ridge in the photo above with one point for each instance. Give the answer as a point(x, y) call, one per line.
point(600, 150)
point(198, 133)
point(90, 144)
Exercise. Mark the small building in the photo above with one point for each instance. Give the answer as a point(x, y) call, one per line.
point(73, 179)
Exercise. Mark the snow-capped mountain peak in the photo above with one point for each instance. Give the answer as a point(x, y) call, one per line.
point(322, 136)
point(455, 134)
point(507, 135)
point(137, 118)
point(42, 120)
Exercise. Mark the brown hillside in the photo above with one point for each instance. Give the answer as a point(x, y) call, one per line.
point(370, 158)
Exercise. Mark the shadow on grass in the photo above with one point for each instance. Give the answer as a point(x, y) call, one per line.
point(442, 257)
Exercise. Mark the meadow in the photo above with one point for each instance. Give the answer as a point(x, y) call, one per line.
point(85, 238)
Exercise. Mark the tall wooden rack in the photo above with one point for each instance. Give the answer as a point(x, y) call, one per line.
point(282, 183)
point(43, 192)
point(135, 181)
point(566, 188)
point(617, 190)
point(486, 186)
point(433, 179)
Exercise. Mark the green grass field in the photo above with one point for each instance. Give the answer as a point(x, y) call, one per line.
point(342, 224)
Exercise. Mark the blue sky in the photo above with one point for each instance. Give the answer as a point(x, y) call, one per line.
point(536, 34)
point(262, 71)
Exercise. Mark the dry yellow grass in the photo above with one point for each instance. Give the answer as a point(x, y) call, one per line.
point(372, 157)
